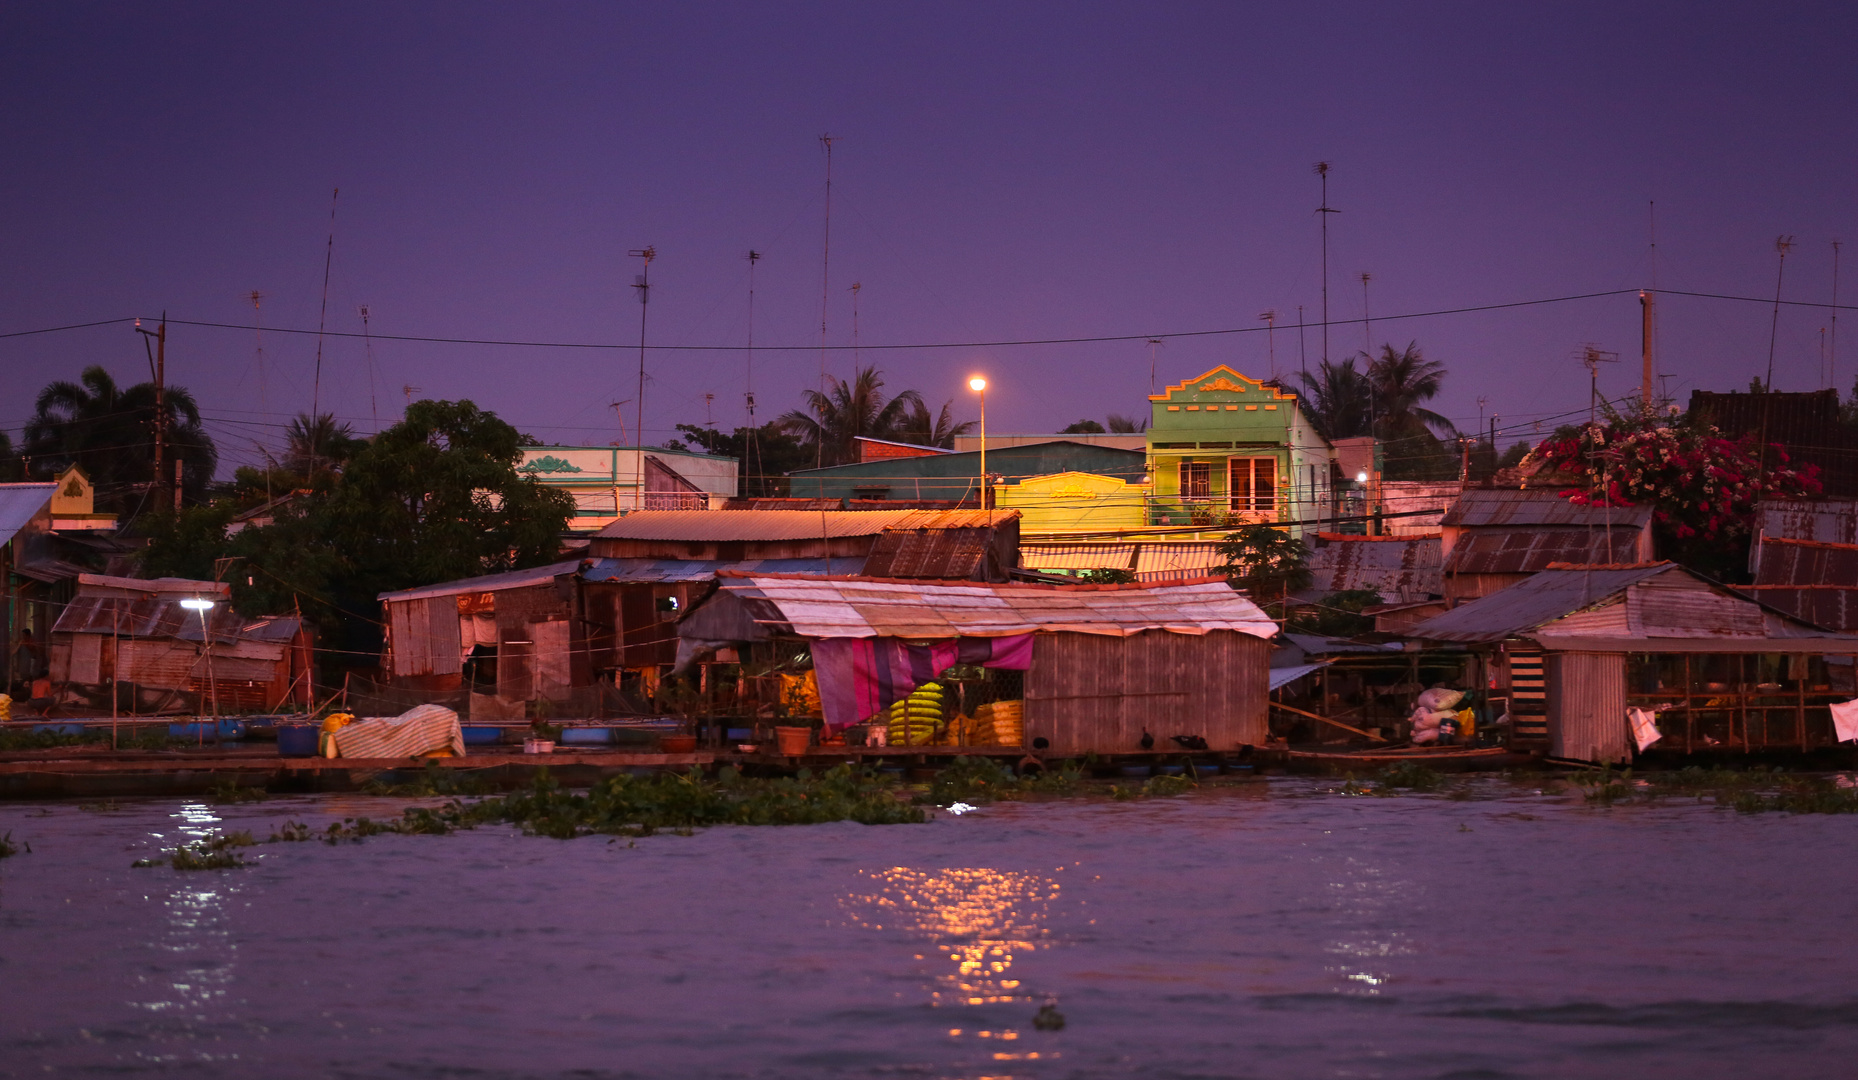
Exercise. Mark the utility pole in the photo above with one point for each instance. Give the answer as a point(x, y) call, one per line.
point(1832, 339)
point(1783, 245)
point(1269, 318)
point(1645, 349)
point(158, 367)
point(642, 283)
point(1153, 344)
point(1367, 322)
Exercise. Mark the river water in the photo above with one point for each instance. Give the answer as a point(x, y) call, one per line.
point(1269, 929)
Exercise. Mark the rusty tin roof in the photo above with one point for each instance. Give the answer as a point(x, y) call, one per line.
point(1498, 506)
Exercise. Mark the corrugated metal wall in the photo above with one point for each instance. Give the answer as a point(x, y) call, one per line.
point(425, 636)
point(1587, 706)
point(1088, 692)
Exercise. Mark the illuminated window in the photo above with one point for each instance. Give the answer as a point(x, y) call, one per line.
point(1253, 484)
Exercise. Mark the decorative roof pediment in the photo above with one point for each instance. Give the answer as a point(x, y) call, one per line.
point(1222, 384)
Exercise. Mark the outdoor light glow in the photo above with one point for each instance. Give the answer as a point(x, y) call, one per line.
point(1361, 477)
point(977, 384)
point(197, 604)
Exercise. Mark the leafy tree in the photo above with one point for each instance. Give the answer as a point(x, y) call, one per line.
point(1337, 400)
point(1337, 615)
point(1082, 427)
point(317, 445)
point(849, 409)
point(1125, 425)
point(918, 427)
point(1266, 563)
point(11, 468)
point(109, 431)
point(434, 498)
point(1109, 575)
point(1399, 382)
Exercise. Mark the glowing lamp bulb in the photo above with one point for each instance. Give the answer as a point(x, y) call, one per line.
point(977, 384)
point(197, 604)
point(1361, 477)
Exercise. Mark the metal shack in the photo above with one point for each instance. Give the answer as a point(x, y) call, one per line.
point(1096, 664)
point(513, 632)
point(130, 632)
point(1805, 560)
point(1572, 648)
point(1492, 538)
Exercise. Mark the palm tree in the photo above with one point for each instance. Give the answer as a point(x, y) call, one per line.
point(1125, 425)
point(1400, 381)
point(1338, 400)
point(917, 427)
point(319, 445)
point(848, 410)
point(109, 431)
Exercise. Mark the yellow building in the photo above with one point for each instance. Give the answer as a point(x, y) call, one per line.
point(1074, 502)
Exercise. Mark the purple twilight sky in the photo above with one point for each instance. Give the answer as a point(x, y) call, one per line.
point(1004, 172)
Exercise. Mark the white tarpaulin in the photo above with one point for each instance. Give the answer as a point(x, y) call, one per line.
point(1644, 724)
point(422, 731)
point(1845, 719)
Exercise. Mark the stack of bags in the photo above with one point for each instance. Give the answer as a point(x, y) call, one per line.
point(998, 724)
point(916, 719)
point(1431, 712)
point(6, 708)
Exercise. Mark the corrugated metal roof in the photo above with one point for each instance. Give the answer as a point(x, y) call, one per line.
point(1806, 424)
point(719, 526)
point(514, 579)
point(854, 607)
point(1526, 550)
point(1076, 556)
point(1284, 676)
point(145, 616)
point(20, 503)
point(1177, 560)
point(935, 553)
point(1399, 568)
point(1497, 506)
point(1833, 521)
point(153, 586)
point(1830, 607)
point(1806, 562)
point(675, 571)
point(1317, 645)
point(1532, 602)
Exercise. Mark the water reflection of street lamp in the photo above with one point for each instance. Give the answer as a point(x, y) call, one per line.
point(202, 606)
point(979, 386)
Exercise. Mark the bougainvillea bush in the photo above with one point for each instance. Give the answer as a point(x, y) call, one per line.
point(1701, 486)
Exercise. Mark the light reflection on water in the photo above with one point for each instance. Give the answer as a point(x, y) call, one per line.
point(1371, 904)
point(189, 988)
point(977, 918)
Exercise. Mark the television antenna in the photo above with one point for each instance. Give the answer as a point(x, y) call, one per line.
point(1269, 318)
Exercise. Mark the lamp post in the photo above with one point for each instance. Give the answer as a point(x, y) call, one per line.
point(979, 386)
point(201, 605)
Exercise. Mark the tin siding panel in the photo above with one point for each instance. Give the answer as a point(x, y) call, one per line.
point(1089, 692)
point(86, 658)
point(1587, 706)
point(444, 642)
point(407, 621)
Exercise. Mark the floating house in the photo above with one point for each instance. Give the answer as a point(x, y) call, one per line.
point(1095, 665)
point(133, 637)
point(561, 632)
point(1805, 560)
point(1572, 648)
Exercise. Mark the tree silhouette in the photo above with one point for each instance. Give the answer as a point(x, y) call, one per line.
point(849, 409)
point(110, 432)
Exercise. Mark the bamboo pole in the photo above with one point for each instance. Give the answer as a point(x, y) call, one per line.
point(1326, 720)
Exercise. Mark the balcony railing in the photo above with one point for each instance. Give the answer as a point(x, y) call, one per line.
point(1214, 512)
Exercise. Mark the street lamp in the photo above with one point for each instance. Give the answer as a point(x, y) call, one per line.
point(979, 386)
point(202, 605)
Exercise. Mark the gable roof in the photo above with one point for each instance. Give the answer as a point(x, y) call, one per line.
point(513, 579)
point(20, 503)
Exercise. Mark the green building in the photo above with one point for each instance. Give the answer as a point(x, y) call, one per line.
point(1227, 450)
point(956, 476)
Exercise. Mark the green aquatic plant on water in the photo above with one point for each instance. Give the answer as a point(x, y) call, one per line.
point(214, 854)
point(431, 781)
point(47, 740)
point(1750, 791)
point(1412, 776)
point(8, 848)
point(229, 790)
point(980, 780)
point(1604, 786)
point(1804, 795)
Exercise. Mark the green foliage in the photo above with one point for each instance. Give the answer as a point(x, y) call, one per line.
point(1337, 615)
point(980, 780)
point(229, 790)
point(1082, 427)
point(1412, 776)
point(433, 780)
point(857, 407)
point(1113, 575)
point(1265, 562)
point(20, 739)
point(215, 854)
point(107, 430)
point(436, 497)
point(1167, 784)
point(1817, 795)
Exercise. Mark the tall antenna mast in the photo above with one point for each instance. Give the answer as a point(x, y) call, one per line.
point(1270, 337)
point(368, 344)
point(258, 354)
point(1303, 362)
point(1832, 339)
point(749, 446)
point(1782, 244)
point(854, 291)
point(316, 390)
point(825, 297)
point(1322, 170)
point(1367, 321)
point(1153, 344)
point(642, 282)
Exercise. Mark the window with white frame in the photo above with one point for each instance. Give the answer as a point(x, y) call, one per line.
point(1252, 484)
point(1196, 479)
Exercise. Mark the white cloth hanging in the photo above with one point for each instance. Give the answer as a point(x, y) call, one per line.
point(1644, 724)
point(1845, 719)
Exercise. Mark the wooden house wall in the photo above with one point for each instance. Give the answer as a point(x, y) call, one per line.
point(624, 627)
point(536, 637)
point(1090, 692)
point(423, 636)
